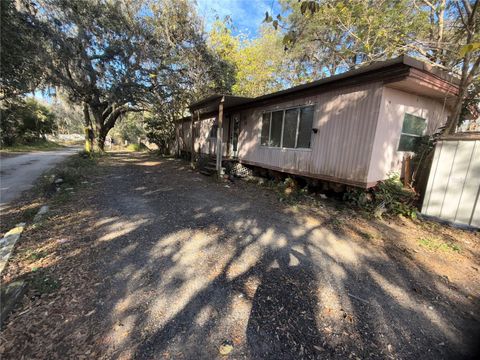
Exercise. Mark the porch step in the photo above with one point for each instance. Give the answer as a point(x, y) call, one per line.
point(210, 168)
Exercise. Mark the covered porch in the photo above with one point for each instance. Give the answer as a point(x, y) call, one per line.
point(215, 127)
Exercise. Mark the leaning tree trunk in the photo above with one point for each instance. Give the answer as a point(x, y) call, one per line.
point(89, 136)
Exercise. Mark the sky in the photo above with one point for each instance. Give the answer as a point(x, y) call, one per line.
point(246, 15)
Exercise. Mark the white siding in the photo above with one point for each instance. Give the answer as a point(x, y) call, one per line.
point(394, 105)
point(454, 183)
point(346, 120)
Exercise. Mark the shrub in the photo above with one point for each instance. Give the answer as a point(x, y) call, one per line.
point(25, 121)
point(137, 147)
point(388, 197)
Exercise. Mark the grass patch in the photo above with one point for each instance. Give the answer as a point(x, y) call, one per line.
point(434, 244)
point(29, 213)
point(72, 172)
point(336, 223)
point(40, 145)
point(137, 147)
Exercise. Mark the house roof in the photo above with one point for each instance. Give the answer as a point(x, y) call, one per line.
point(389, 70)
point(214, 100)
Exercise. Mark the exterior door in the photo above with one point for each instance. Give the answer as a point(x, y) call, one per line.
point(234, 133)
point(212, 139)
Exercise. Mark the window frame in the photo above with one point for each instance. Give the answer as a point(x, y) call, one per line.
point(281, 147)
point(409, 134)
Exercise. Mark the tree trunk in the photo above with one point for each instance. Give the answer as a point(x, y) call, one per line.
point(88, 129)
point(105, 117)
point(100, 140)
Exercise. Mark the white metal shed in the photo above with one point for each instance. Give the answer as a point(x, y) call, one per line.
point(453, 187)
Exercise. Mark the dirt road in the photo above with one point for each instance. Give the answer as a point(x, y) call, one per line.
point(18, 173)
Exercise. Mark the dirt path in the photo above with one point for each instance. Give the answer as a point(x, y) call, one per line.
point(180, 264)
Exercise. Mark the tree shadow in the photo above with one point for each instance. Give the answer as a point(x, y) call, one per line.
point(192, 265)
point(282, 322)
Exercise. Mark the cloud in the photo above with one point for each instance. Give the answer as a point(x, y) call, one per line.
point(247, 15)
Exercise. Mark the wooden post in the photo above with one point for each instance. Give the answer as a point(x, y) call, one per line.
point(192, 158)
point(406, 179)
point(220, 138)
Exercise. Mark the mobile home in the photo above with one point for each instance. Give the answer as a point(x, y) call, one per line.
point(353, 128)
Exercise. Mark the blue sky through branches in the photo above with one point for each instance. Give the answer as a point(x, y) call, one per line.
point(246, 15)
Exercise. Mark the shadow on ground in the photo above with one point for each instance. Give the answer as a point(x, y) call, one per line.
point(185, 264)
point(193, 264)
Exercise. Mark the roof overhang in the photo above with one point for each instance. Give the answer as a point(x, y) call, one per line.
point(211, 103)
point(403, 72)
point(427, 84)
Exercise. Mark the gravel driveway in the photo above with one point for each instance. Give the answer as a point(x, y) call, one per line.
point(189, 265)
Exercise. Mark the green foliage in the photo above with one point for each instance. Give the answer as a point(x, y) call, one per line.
point(129, 128)
point(388, 197)
point(25, 121)
point(260, 65)
point(137, 147)
point(44, 283)
point(160, 127)
point(113, 57)
point(337, 35)
point(76, 169)
point(23, 55)
point(73, 171)
point(68, 115)
point(468, 48)
point(435, 244)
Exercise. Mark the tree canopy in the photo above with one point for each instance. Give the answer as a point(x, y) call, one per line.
point(331, 36)
point(114, 57)
point(259, 65)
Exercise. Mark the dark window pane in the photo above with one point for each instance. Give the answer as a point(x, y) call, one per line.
point(276, 128)
point(413, 125)
point(213, 131)
point(265, 128)
point(305, 127)
point(409, 143)
point(290, 128)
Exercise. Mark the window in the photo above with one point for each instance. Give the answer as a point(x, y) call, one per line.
point(305, 127)
point(412, 132)
point(265, 128)
point(276, 129)
point(291, 128)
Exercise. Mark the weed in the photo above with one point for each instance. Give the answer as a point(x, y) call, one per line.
point(43, 283)
point(72, 172)
point(366, 235)
point(29, 214)
point(389, 197)
point(36, 255)
point(434, 244)
point(336, 223)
